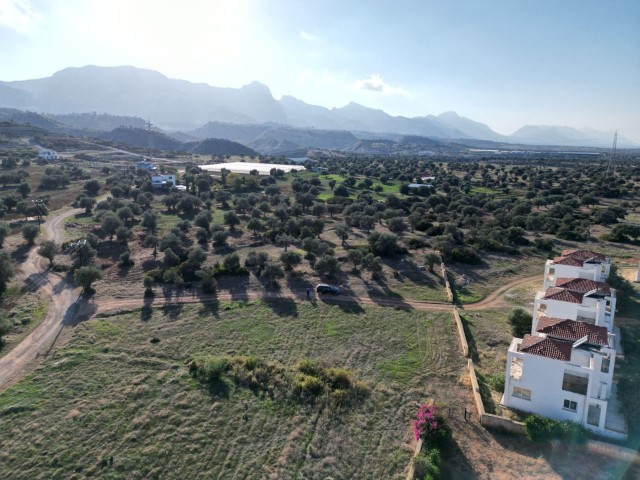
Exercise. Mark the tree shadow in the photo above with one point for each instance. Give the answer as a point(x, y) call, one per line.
point(281, 306)
point(147, 309)
point(383, 296)
point(123, 271)
point(210, 307)
point(172, 311)
point(151, 264)
point(346, 304)
point(21, 253)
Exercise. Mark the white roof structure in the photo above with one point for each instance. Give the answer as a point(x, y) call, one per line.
point(246, 168)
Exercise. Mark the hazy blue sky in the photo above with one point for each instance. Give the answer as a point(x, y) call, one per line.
point(505, 63)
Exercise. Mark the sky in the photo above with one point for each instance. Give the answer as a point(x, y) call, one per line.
point(501, 62)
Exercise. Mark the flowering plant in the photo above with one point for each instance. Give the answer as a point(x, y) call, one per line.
point(425, 424)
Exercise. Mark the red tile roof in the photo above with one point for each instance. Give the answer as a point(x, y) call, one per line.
point(582, 285)
point(578, 257)
point(547, 347)
point(572, 330)
point(563, 295)
point(584, 254)
point(574, 262)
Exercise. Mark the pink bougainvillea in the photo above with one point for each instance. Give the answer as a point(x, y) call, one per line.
point(425, 423)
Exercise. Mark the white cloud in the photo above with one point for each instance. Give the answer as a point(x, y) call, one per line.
point(18, 15)
point(309, 37)
point(376, 83)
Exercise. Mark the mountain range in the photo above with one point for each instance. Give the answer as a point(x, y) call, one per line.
point(184, 106)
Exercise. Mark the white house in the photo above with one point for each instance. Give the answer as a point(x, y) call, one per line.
point(577, 299)
point(48, 155)
point(144, 165)
point(577, 264)
point(163, 181)
point(565, 372)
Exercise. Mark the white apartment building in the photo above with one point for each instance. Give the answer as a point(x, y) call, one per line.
point(577, 299)
point(565, 372)
point(163, 181)
point(48, 155)
point(577, 264)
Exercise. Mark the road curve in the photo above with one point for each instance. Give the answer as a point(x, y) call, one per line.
point(63, 298)
point(65, 303)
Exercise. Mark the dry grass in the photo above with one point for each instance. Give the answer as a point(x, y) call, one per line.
point(111, 392)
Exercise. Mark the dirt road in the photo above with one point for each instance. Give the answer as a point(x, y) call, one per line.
point(65, 303)
point(63, 300)
point(496, 298)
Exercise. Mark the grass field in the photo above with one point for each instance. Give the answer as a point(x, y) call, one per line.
point(111, 392)
point(24, 311)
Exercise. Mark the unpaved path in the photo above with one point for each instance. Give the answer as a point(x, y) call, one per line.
point(63, 296)
point(496, 298)
point(65, 302)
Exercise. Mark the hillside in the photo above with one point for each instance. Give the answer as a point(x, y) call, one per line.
point(97, 121)
point(144, 138)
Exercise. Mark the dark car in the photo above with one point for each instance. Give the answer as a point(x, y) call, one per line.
point(324, 288)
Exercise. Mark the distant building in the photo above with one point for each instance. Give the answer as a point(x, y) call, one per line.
point(48, 155)
point(144, 165)
point(159, 181)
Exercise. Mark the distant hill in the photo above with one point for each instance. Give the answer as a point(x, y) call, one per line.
point(130, 94)
point(219, 146)
point(558, 135)
point(103, 122)
point(277, 139)
point(144, 138)
point(30, 118)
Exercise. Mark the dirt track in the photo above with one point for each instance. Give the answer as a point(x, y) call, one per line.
point(63, 297)
point(65, 303)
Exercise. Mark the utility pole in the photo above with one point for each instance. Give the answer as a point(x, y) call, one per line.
point(38, 203)
point(612, 155)
point(78, 247)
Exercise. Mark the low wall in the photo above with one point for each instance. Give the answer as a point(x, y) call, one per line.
point(416, 452)
point(445, 277)
point(461, 334)
point(475, 388)
point(502, 423)
point(488, 419)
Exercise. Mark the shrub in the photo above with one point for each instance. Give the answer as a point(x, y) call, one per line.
point(541, 429)
point(208, 369)
point(125, 260)
point(426, 465)
point(520, 321)
point(496, 382)
point(308, 385)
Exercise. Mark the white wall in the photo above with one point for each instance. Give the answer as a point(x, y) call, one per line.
point(544, 376)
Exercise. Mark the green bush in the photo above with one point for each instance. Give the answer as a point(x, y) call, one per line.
point(426, 465)
point(208, 369)
point(496, 382)
point(541, 429)
point(308, 385)
point(520, 321)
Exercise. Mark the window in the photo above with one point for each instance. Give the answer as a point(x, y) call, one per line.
point(522, 393)
point(606, 363)
point(569, 405)
point(575, 384)
point(552, 271)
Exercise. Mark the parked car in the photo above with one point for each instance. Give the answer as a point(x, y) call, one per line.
point(324, 288)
